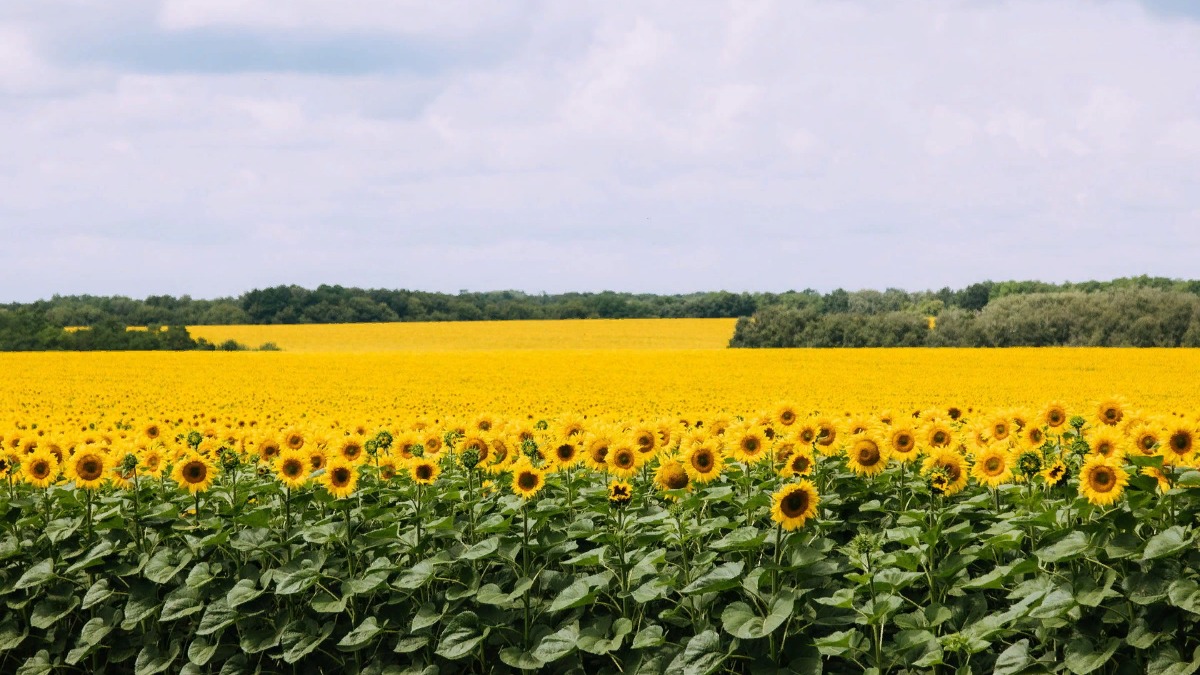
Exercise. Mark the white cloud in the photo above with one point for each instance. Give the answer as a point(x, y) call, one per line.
point(653, 146)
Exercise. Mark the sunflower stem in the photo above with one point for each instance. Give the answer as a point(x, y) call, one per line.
point(89, 515)
point(419, 487)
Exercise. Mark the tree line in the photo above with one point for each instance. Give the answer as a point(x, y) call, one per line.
point(1142, 311)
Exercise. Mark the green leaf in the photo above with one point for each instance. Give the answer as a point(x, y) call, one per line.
point(38, 664)
point(181, 602)
point(1014, 659)
point(596, 639)
point(217, 616)
point(742, 539)
point(717, 579)
point(361, 635)
point(1069, 547)
point(165, 564)
point(242, 592)
point(740, 621)
point(1083, 657)
point(201, 651)
point(325, 603)
point(302, 636)
point(143, 602)
point(558, 644)
point(12, 633)
point(259, 635)
point(520, 659)
point(651, 590)
point(99, 592)
point(426, 616)
point(1169, 542)
point(650, 636)
point(36, 575)
point(49, 611)
point(838, 643)
point(460, 637)
point(1185, 594)
point(700, 656)
point(579, 593)
point(153, 659)
point(593, 557)
point(97, 627)
point(411, 643)
point(482, 549)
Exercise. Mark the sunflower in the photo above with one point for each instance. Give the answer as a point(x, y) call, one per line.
point(795, 503)
point(902, 442)
point(570, 427)
point(993, 466)
point(999, 427)
point(40, 468)
point(432, 443)
point(703, 463)
point(1160, 476)
point(317, 459)
point(1054, 415)
point(1145, 438)
point(938, 435)
point(952, 465)
point(1110, 411)
point(151, 431)
point(784, 447)
point(501, 457)
point(620, 493)
point(1179, 443)
point(1055, 472)
point(564, 453)
point(623, 461)
point(1107, 442)
point(644, 440)
point(292, 468)
point(596, 451)
point(477, 443)
point(151, 461)
point(867, 456)
point(194, 472)
point(294, 439)
point(87, 468)
point(671, 476)
point(1033, 437)
point(340, 477)
point(749, 446)
point(388, 466)
point(807, 432)
point(351, 449)
point(799, 463)
point(424, 471)
point(527, 480)
point(268, 449)
point(1102, 480)
point(827, 433)
point(785, 414)
point(483, 423)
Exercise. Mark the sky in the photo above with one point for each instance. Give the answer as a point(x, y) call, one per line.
point(208, 147)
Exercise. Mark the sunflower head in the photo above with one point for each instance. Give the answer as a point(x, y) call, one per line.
point(40, 468)
point(527, 481)
point(1110, 411)
point(1102, 480)
point(1055, 472)
point(620, 494)
point(424, 471)
point(793, 504)
point(340, 477)
point(671, 476)
point(194, 472)
point(867, 456)
point(703, 462)
point(292, 468)
point(88, 468)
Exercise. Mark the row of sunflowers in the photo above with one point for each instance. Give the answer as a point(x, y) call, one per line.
point(1015, 540)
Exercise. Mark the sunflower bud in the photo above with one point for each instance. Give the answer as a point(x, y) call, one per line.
point(128, 463)
point(469, 458)
point(1029, 464)
point(1077, 422)
point(194, 439)
point(383, 439)
point(372, 446)
point(529, 448)
point(417, 450)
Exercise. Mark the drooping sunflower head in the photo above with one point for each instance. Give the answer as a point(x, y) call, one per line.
point(950, 464)
point(1102, 480)
point(340, 477)
point(793, 504)
point(268, 449)
point(671, 476)
point(620, 493)
point(1160, 477)
point(292, 468)
point(1110, 411)
point(867, 456)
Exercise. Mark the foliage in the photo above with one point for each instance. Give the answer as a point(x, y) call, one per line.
point(894, 574)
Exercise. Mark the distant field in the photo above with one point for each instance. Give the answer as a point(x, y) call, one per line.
point(482, 335)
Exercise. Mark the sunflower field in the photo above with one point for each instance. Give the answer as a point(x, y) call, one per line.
point(1050, 538)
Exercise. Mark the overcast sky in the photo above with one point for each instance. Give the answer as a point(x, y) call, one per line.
point(212, 146)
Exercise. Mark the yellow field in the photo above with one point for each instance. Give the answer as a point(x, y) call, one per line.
point(476, 335)
point(71, 390)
